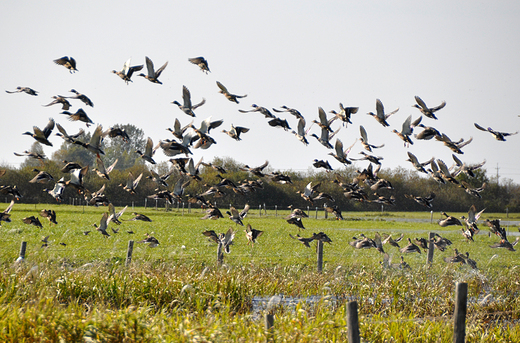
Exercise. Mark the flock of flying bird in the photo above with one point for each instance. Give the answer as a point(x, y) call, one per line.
point(191, 137)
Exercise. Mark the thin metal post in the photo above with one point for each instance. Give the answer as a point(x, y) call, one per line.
point(183, 208)
point(145, 203)
point(431, 217)
point(459, 325)
point(316, 212)
point(325, 211)
point(129, 253)
point(260, 210)
point(275, 210)
point(189, 207)
point(132, 205)
point(156, 204)
point(352, 322)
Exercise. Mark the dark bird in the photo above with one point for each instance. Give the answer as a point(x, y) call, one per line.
point(58, 99)
point(292, 111)
point(131, 183)
point(150, 240)
point(428, 112)
point(41, 177)
point(454, 146)
point(325, 137)
point(27, 90)
point(70, 166)
point(149, 151)
point(32, 220)
point(322, 164)
point(12, 190)
point(67, 62)
point(186, 106)
point(262, 110)
point(424, 201)
point(296, 221)
point(279, 122)
point(235, 132)
point(252, 234)
point(380, 114)
point(499, 136)
point(335, 211)
point(393, 242)
point(213, 213)
point(301, 133)
point(256, 171)
point(427, 133)
point(229, 96)
point(5, 215)
point(114, 217)
point(58, 189)
point(139, 216)
point(50, 215)
point(94, 145)
point(471, 190)
point(153, 75)
point(41, 136)
point(364, 140)
point(101, 170)
point(341, 155)
point(407, 130)
point(31, 154)
point(80, 115)
point(201, 62)
point(345, 113)
point(234, 216)
point(464, 168)
point(303, 240)
point(456, 258)
point(449, 220)
point(81, 97)
point(410, 248)
point(127, 71)
point(371, 158)
point(66, 137)
point(418, 165)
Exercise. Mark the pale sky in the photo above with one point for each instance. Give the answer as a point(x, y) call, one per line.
point(302, 54)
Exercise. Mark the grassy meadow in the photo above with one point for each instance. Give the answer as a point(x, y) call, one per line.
point(82, 292)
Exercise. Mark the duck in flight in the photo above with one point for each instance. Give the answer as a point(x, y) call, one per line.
point(153, 75)
point(67, 62)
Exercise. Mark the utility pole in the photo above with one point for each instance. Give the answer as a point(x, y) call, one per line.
point(497, 174)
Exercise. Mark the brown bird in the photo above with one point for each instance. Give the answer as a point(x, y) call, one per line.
point(127, 71)
point(427, 111)
point(27, 90)
point(303, 240)
point(499, 136)
point(380, 114)
point(67, 62)
point(41, 136)
point(229, 96)
point(80, 115)
point(201, 62)
point(139, 216)
point(58, 99)
point(50, 215)
point(32, 220)
point(410, 248)
point(252, 234)
point(153, 75)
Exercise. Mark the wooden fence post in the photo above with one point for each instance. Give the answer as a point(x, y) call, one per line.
point(220, 254)
point(352, 322)
point(319, 250)
point(269, 322)
point(430, 248)
point(23, 248)
point(459, 325)
point(129, 253)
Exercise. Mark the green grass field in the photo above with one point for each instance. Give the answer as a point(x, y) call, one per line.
point(82, 291)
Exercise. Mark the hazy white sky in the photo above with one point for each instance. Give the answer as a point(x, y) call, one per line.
point(302, 54)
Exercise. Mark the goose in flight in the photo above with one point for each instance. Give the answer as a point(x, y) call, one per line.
point(256, 108)
point(80, 115)
point(153, 75)
point(427, 111)
point(186, 106)
point(127, 71)
point(380, 114)
point(407, 130)
point(345, 113)
point(499, 136)
point(41, 136)
point(229, 96)
point(292, 111)
point(364, 140)
point(67, 62)
point(27, 90)
point(58, 99)
point(149, 151)
point(201, 62)
point(236, 131)
point(131, 183)
point(94, 145)
point(341, 155)
point(81, 97)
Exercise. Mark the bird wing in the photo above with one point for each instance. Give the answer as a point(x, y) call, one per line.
point(479, 127)
point(421, 103)
point(222, 87)
point(48, 128)
point(406, 128)
point(136, 181)
point(149, 66)
point(160, 70)
point(363, 132)
point(112, 166)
